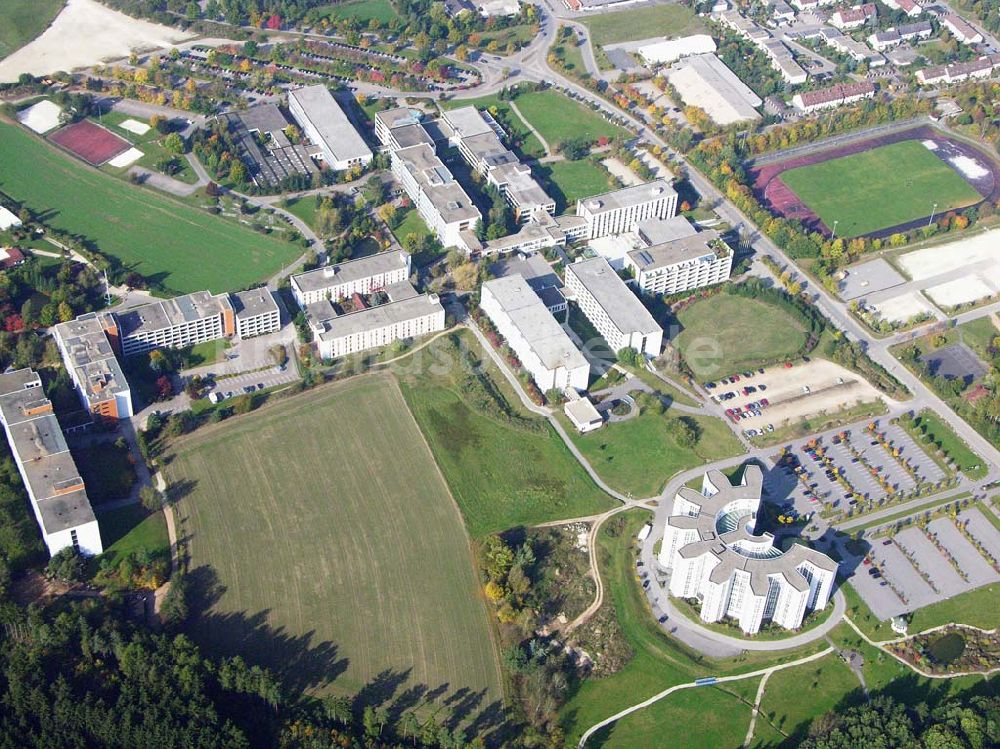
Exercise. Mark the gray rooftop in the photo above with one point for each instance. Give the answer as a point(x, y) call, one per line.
point(411, 135)
point(399, 117)
point(46, 463)
point(538, 327)
point(621, 305)
point(253, 303)
point(381, 316)
point(659, 230)
point(438, 184)
point(172, 312)
point(523, 188)
point(466, 121)
point(627, 196)
point(90, 354)
point(338, 133)
point(400, 290)
point(729, 540)
point(265, 118)
point(351, 270)
point(532, 268)
point(697, 246)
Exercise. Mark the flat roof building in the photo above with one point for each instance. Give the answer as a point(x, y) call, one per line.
point(612, 308)
point(619, 211)
point(175, 323)
point(8, 220)
point(438, 198)
point(543, 347)
point(256, 312)
point(361, 276)
point(669, 50)
point(53, 483)
point(704, 81)
point(87, 346)
point(374, 327)
point(326, 124)
point(714, 556)
point(398, 117)
point(582, 414)
point(690, 262)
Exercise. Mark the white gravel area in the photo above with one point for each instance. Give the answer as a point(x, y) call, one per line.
point(124, 159)
point(934, 261)
point(965, 289)
point(622, 172)
point(901, 308)
point(84, 34)
point(40, 117)
point(134, 126)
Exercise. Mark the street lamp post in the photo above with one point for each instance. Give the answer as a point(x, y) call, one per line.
point(933, 211)
point(835, 222)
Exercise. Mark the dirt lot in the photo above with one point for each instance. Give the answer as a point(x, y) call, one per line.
point(831, 388)
point(83, 34)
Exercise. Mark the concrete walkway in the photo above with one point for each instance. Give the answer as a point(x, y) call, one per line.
point(532, 128)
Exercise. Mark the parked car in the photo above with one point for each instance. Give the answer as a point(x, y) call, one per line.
point(887, 542)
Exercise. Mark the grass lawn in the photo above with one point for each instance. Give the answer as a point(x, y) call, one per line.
point(978, 335)
point(914, 177)
point(165, 240)
point(368, 570)
point(572, 54)
point(502, 473)
point(530, 146)
point(107, 471)
point(570, 181)
point(640, 455)
point(642, 23)
point(411, 223)
point(721, 719)
point(725, 334)
point(795, 696)
point(559, 118)
point(23, 20)
point(943, 436)
point(303, 208)
point(360, 10)
point(660, 661)
point(133, 529)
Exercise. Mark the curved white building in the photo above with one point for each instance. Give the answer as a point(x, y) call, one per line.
point(713, 556)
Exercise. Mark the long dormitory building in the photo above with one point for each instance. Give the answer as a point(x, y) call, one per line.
point(620, 211)
point(56, 490)
point(361, 276)
point(91, 344)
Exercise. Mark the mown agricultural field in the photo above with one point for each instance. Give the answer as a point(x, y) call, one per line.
point(165, 240)
point(325, 544)
point(23, 20)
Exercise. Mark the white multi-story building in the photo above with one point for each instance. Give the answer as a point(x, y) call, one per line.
point(87, 346)
point(543, 347)
point(683, 264)
point(438, 198)
point(374, 327)
point(326, 124)
point(55, 488)
point(619, 211)
point(390, 119)
point(361, 276)
point(713, 556)
point(612, 308)
point(256, 313)
point(175, 323)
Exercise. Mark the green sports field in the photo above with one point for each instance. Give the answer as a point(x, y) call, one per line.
point(165, 240)
point(23, 20)
point(324, 543)
point(879, 189)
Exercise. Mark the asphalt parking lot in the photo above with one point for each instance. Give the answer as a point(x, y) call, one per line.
point(269, 379)
point(969, 559)
point(931, 562)
point(982, 530)
point(923, 464)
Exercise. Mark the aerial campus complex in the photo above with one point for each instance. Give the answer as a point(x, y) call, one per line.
point(653, 346)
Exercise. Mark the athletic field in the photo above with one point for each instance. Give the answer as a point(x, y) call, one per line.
point(324, 543)
point(879, 188)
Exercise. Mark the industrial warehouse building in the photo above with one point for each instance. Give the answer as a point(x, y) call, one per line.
point(55, 488)
point(714, 557)
point(620, 211)
point(705, 81)
point(542, 346)
point(682, 264)
point(326, 124)
point(361, 276)
point(612, 308)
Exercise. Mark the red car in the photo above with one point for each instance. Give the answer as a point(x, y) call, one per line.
point(764, 402)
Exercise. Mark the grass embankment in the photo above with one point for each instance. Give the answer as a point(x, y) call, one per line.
point(23, 20)
point(167, 241)
point(943, 437)
point(505, 467)
point(368, 568)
